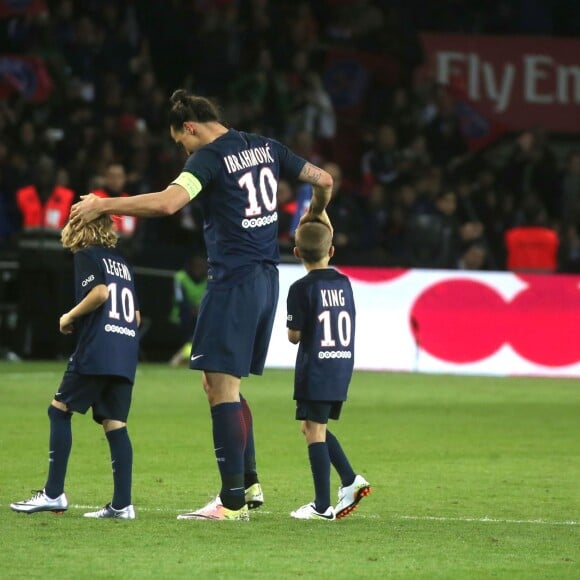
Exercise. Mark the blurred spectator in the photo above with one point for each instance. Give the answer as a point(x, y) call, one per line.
point(403, 116)
point(304, 145)
point(113, 185)
point(346, 217)
point(570, 189)
point(44, 203)
point(570, 249)
point(374, 227)
point(444, 138)
point(287, 210)
point(474, 257)
point(531, 170)
point(189, 286)
point(314, 111)
point(9, 219)
point(415, 157)
point(259, 94)
point(438, 240)
point(380, 165)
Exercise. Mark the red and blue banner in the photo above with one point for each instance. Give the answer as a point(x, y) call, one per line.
point(26, 76)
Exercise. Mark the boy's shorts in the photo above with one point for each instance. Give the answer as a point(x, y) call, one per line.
point(234, 325)
point(318, 411)
point(109, 396)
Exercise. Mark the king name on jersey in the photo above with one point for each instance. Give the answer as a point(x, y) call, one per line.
point(248, 158)
point(115, 268)
point(332, 297)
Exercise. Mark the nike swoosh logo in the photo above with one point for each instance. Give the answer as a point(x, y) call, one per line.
point(195, 357)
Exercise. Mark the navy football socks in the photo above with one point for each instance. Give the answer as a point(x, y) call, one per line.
point(320, 465)
point(229, 438)
point(122, 464)
point(59, 451)
point(250, 471)
point(339, 460)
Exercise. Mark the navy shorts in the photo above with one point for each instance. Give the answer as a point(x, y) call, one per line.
point(318, 411)
point(109, 396)
point(234, 325)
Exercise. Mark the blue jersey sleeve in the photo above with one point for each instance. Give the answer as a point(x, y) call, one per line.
point(88, 273)
point(295, 308)
point(205, 164)
point(290, 164)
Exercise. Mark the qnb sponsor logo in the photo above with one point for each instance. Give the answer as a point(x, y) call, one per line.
point(334, 354)
point(87, 280)
point(115, 329)
point(260, 222)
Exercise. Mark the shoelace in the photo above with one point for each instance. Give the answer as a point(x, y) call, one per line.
point(36, 494)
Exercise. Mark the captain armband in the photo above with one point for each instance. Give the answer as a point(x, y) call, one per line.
point(189, 182)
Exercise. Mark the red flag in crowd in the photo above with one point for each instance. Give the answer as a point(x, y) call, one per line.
point(24, 75)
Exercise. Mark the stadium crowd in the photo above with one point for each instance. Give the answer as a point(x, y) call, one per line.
point(408, 190)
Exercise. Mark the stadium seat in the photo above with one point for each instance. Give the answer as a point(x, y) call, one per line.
point(532, 249)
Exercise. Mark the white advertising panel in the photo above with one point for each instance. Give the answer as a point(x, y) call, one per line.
point(481, 323)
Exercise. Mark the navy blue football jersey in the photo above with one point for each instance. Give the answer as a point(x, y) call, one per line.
point(321, 306)
point(239, 175)
point(108, 337)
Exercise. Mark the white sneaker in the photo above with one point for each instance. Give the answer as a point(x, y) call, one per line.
point(308, 512)
point(215, 510)
point(350, 496)
point(40, 502)
point(127, 513)
point(254, 496)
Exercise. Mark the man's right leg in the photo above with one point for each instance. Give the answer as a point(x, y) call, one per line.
point(229, 437)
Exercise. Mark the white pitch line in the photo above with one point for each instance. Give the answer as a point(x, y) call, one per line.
point(485, 520)
point(488, 520)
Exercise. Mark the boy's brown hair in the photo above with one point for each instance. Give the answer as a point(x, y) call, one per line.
point(313, 240)
point(99, 232)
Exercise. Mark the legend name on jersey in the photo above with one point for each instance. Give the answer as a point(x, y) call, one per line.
point(118, 269)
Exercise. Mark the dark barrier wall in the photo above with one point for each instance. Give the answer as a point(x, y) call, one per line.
point(37, 288)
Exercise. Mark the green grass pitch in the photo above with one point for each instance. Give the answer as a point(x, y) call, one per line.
point(472, 478)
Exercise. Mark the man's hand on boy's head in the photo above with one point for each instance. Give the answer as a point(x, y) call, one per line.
point(320, 217)
point(86, 210)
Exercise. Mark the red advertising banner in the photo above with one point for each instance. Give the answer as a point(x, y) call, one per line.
point(519, 82)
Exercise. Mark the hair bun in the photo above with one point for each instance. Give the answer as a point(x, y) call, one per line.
point(179, 96)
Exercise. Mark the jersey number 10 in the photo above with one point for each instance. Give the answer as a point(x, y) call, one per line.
point(268, 187)
point(127, 303)
point(344, 327)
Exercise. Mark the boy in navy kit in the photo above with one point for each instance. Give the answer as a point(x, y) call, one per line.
point(100, 372)
point(235, 174)
point(321, 318)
